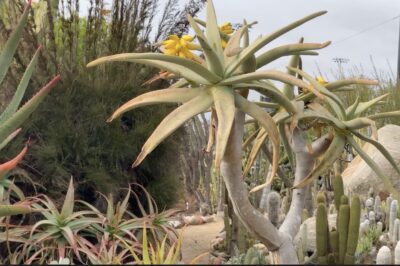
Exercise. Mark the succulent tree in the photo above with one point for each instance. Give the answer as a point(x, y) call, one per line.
point(13, 115)
point(219, 81)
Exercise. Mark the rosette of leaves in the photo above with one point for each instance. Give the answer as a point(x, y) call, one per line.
point(219, 84)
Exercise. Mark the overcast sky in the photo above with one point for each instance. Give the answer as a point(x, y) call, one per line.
point(344, 18)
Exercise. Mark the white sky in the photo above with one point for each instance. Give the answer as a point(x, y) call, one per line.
point(344, 18)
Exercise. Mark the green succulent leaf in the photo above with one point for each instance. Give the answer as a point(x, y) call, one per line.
point(9, 138)
point(261, 42)
point(19, 93)
point(213, 60)
point(257, 144)
point(8, 126)
point(380, 148)
point(68, 206)
point(174, 120)
point(286, 50)
point(212, 30)
point(11, 45)
point(183, 67)
point(364, 106)
point(224, 103)
point(7, 210)
point(266, 122)
point(332, 86)
point(371, 163)
point(174, 95)
point(384, 115)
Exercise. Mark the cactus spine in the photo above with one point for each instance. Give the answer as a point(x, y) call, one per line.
point(353, 230)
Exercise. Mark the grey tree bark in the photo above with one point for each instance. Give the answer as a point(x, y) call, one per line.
point(279, 242)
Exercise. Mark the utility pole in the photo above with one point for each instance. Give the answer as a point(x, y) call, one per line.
point(398, 61)
point(340, 61)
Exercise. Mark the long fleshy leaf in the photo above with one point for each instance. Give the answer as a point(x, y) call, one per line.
point(212, 30)
point(213, 60)
point(333, 100)
point(68, 206)
point(384, 115)
point(233, 45)
point(266, 122)
point(257, 144)
point(380, 148)
point(6, 210)
point(266, 74)
point(363, 106)
point(250, 139)
point(19, 93)
point(328, 158)
point(174, 120)
point(286, 50)
point(11, 45)
point(288, 90)
point(11, 164)
point(261, 42)
point(8, 126)
point(346, 82)
point(176, 95)
point(224, 103)
point(272, 92)
point(371, 163)
point(186, 68)
point(9, 138)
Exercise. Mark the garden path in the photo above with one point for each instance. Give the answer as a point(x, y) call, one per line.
point(197, 240)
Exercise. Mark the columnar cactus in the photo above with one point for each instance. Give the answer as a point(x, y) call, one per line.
point(384, 256)
point(397, 253)
point(343, 229)
point(394, 237)
point(353, 229)
point(338, 189)
point(372, 218)
point(322, 231)
point(392, 215)
point(273, 207)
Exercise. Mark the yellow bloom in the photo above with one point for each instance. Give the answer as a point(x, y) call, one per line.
point(226, 28)
point(321, 80)
point(179, 46)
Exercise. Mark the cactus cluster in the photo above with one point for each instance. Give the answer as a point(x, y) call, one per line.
point(252, 256)
point(337, 246)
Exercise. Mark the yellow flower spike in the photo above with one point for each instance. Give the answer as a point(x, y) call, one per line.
point(187, 38)
point(321, 80)
point(226, 28)
point(179, 46)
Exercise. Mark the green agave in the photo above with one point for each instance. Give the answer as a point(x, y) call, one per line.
point(220, 84)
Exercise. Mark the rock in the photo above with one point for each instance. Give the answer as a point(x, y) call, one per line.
point(311, 236)
point(359, 177)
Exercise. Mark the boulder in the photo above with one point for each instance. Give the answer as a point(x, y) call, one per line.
point(358, 177)
point(311, 234)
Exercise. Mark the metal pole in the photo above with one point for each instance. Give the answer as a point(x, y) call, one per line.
point(398, 61)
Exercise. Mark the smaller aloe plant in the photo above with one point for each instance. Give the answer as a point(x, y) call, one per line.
point(14, 115)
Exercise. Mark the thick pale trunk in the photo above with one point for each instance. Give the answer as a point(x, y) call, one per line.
point(279, 242)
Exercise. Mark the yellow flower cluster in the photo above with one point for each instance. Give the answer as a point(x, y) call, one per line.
point(225, 28)
point(321, 80)
point(179, 46)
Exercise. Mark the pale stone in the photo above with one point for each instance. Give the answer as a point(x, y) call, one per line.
point(359, 177)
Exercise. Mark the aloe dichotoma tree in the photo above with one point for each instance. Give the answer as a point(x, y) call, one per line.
point(219, 82)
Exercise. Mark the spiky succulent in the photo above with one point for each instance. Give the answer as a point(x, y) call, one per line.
point(220, 83)
point(13, 115)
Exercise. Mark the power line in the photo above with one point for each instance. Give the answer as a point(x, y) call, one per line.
point(367, 29)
